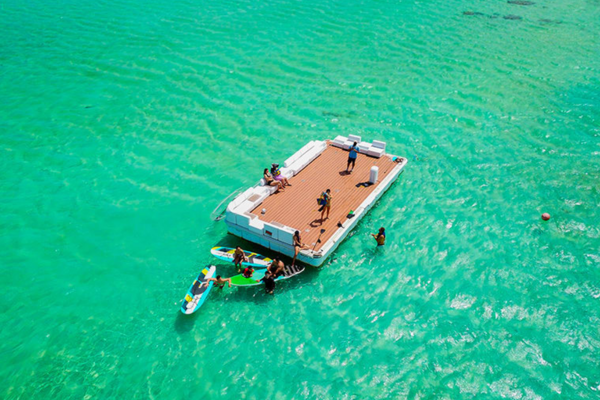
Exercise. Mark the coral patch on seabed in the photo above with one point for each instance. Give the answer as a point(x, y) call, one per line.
point(521, 2)
point(550, 21)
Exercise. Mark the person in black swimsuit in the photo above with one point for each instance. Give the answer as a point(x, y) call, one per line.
point(269, 282)
point(298, 245)
point(270, 181)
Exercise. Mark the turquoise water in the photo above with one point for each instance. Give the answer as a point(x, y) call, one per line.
point(124, 123)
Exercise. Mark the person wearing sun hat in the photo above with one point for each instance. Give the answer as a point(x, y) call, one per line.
point(277, 175)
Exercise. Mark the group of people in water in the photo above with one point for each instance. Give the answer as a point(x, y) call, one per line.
point(277, 267)
point(274, 271)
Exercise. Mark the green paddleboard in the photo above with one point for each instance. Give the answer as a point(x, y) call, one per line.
point(241, 280)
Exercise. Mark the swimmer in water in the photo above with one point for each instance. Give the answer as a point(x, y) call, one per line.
point(380, 237)
point(269, 282)
point(220, 282)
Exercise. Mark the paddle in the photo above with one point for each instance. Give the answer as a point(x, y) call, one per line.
point(319, 239)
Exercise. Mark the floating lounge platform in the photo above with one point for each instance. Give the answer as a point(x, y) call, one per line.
point(270, 219)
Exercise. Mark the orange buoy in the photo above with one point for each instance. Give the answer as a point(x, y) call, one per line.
point(545, 216)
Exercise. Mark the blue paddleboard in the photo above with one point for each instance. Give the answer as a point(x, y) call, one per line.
point(198, 292)
point(255, 260)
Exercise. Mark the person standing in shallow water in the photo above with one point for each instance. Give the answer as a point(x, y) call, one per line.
point(239, 257)
point(269, 282)
point(379, 237)
point(352, 156)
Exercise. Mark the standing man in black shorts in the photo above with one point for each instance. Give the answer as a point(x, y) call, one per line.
point(352, 156)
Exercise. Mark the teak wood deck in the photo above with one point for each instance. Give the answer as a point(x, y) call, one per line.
point(296, 206)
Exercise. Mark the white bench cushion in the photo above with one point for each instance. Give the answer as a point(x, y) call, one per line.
point(354, 138)
point(364, 147)
point(300, 153)
point(307, 158)
point(245, 206)
point(378, 144)
point(348, 144)
point(339, 141)
point(375, 152)
point(287, 172)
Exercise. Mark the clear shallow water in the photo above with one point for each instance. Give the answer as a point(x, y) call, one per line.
point(123, 125)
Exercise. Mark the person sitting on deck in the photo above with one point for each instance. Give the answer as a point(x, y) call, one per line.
point(239, 257)
point(270, 181)
point(380, 237)
point(277, 175)
point(269, 282)
point(220, 282)
point(352, 156)
point(298, 245)
point(248, 272)
point(277, 267)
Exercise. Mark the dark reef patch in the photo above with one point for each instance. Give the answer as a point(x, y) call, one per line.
point(550, 21)
point(521, 2)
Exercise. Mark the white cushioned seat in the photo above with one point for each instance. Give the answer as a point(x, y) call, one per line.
point(364, 148)
point(272, 189)
point(354, 138)
point(378, 144)
point(375, 152)
point(263, 190)
point(300, 153)
point(377, 149)
point(307, 158)
point(299, 164)
point(246, 206)
point(287, 172)
point(339, 141)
